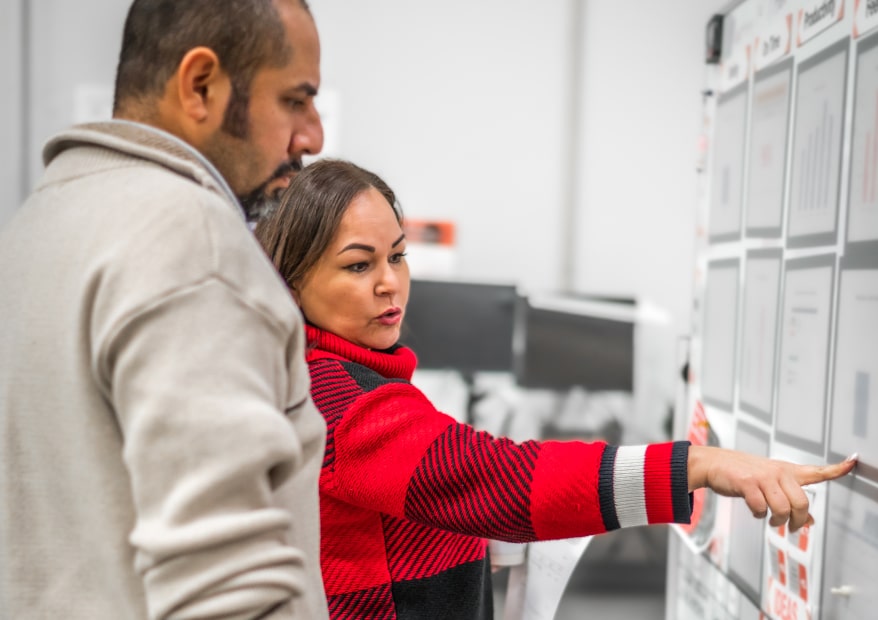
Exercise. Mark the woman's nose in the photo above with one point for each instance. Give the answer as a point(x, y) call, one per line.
point(388, 282)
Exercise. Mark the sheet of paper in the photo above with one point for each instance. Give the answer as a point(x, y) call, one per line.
point(535, 588)
point(816, 166)
point(768, 141)
point(720, 321)
point(804, 352)
point(726, 190)
point(852, 536)
point(854, 425)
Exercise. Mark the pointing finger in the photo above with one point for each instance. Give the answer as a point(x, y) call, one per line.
point(812, 474)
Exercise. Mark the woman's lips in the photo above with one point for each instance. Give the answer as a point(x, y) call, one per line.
point(392, 317)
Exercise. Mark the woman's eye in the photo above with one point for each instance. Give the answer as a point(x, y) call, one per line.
point(358, 267)
point(397, 258)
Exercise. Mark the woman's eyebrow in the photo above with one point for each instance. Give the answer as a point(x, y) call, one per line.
point(368, 248)
point(357, 246)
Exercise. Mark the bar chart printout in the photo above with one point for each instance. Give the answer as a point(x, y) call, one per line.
point(804, 352)
point(759, 331)
point(720, 317)
point(726, 192)
point(854, 425)
point(862, 224)
point(769, 123)
point(817, 143)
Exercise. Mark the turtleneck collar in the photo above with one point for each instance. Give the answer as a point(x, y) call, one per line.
point(398, 362)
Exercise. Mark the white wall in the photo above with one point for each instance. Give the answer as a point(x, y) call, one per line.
point(465, 106)
point(460, 105)
point(643, 72)
point(74, 47)
point(11, 62)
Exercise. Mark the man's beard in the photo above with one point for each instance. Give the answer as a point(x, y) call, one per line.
point(236, 123)
point(260, 202)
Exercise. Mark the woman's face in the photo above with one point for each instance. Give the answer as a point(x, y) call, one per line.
point(360, 286)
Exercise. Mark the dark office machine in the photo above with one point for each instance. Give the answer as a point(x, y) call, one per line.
point(573, 344)
point(576, 342)
point(463, 326)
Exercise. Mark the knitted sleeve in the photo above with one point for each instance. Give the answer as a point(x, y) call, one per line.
point(388, 449)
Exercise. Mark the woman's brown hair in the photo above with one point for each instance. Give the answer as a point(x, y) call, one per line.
point(298, 231)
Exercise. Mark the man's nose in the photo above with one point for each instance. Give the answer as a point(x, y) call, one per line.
point(307, 138)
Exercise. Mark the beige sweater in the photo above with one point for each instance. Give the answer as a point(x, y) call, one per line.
point(159, 449)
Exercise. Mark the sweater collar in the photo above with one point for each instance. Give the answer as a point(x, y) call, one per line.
point(147, 142)
point(397, 362)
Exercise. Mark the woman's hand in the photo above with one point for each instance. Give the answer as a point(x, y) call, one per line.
point(765, 484)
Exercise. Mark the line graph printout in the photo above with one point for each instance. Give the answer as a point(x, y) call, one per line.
point(769, 129)
point(804, 352)
point(851, 558)
point(862, 222)
point(724, 219)
point(817, 143)
point(745, 555)
point(720, 318)
point(759, 331)
point(854, 410)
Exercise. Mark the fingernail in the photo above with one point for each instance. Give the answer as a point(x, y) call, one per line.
point(853, 457)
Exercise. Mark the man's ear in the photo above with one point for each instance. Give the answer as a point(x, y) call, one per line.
point(203, 87)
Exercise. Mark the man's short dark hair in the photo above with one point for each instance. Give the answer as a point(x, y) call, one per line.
point(246, 35)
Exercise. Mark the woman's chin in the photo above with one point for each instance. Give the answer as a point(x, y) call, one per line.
point(381, 342)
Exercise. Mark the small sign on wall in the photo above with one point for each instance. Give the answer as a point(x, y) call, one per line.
point(431, 247)
point(865, 16)
point(817, 17)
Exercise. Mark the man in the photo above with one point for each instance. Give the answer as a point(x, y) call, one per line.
point(160, 451)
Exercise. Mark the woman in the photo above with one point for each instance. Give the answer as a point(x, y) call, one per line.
point(407, 495)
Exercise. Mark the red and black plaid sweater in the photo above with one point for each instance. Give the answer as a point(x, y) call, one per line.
point(408, 496)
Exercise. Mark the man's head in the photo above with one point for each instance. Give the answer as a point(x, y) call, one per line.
point(236, 79)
